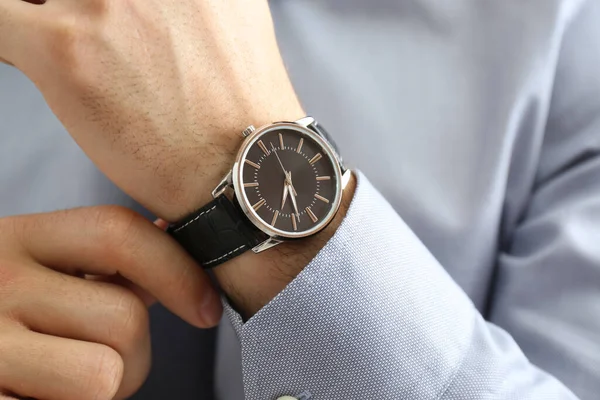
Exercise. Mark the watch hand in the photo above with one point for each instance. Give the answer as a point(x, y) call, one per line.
point(295, 206)
point(288, 175)
point(287, 185)
point(289, 180)
point(285, 194)
point(279, 159)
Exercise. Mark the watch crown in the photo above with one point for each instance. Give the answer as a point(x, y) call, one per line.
point(248, 131)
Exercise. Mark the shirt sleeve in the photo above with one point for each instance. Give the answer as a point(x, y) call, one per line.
point(375, 316)
point(547, 291)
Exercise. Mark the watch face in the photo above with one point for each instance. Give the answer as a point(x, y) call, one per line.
point(290, 181)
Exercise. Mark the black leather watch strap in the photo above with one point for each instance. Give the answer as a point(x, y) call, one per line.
point(315, 126)
point(216, 233)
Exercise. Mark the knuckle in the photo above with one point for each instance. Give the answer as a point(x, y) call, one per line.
point(100, 8)
point(66, 40)
point(9, 276)
point(69, 41)
point(130, 322)
point(15, 283)
point(116, 225)
point(105, 374)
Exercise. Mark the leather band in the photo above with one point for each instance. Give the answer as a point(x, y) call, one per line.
point(321, 131)
point(216, 233)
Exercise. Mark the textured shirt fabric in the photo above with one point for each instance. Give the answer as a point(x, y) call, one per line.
point(375, 316)
point(476, 125)
point(479, 122)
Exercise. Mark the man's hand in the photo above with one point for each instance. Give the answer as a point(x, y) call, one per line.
point(74, 287)
point(155, 92)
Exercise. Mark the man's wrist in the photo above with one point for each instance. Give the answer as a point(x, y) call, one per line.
point(250, 281)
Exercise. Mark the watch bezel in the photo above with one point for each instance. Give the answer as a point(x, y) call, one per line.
point(242, 198)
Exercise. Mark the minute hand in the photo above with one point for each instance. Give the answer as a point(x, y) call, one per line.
point(279, 159)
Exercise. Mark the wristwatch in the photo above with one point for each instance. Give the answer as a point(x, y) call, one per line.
point(286, 184)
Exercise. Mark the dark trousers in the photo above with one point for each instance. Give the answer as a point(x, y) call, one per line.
point(183, 360)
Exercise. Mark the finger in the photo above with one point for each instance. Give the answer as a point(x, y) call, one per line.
point(140, 292)
point(162, 224)
point(111, 240)
point(89, 311)
point(46, 367)
point(17, 19)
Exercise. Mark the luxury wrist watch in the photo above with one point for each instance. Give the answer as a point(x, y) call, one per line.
point(287, 183)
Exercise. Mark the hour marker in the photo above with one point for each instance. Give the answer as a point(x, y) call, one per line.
point(316, 158)
point(321, 198)
point(259, 204)
point(323, 178)
point(255, 165)
point(294, 222)
point(300, 145)
point(263, 147)
point(281, 141)
point(275, 217)
point(311, 215)
point(251, 184)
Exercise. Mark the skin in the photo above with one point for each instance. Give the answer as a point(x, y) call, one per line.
point(156, 93)
point(73, 302)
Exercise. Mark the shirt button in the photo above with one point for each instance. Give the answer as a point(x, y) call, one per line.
point(287, 398)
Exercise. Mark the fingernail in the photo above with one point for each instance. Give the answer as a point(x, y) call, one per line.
point(211, 309)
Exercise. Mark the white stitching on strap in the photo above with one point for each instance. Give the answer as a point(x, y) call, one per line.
point(195, 219)
point(224, 255)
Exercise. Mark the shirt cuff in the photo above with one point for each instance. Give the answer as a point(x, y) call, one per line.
point(333, 246)
point(374, 281)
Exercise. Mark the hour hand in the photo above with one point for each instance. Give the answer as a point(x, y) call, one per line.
point(285, 194)
point(288, 176)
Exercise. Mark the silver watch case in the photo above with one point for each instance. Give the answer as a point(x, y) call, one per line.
point(232, 181)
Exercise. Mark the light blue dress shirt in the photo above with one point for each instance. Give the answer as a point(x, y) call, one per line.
point(479, 123)
point(468, 266)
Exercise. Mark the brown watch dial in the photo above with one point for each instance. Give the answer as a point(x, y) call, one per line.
point(290, 181)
